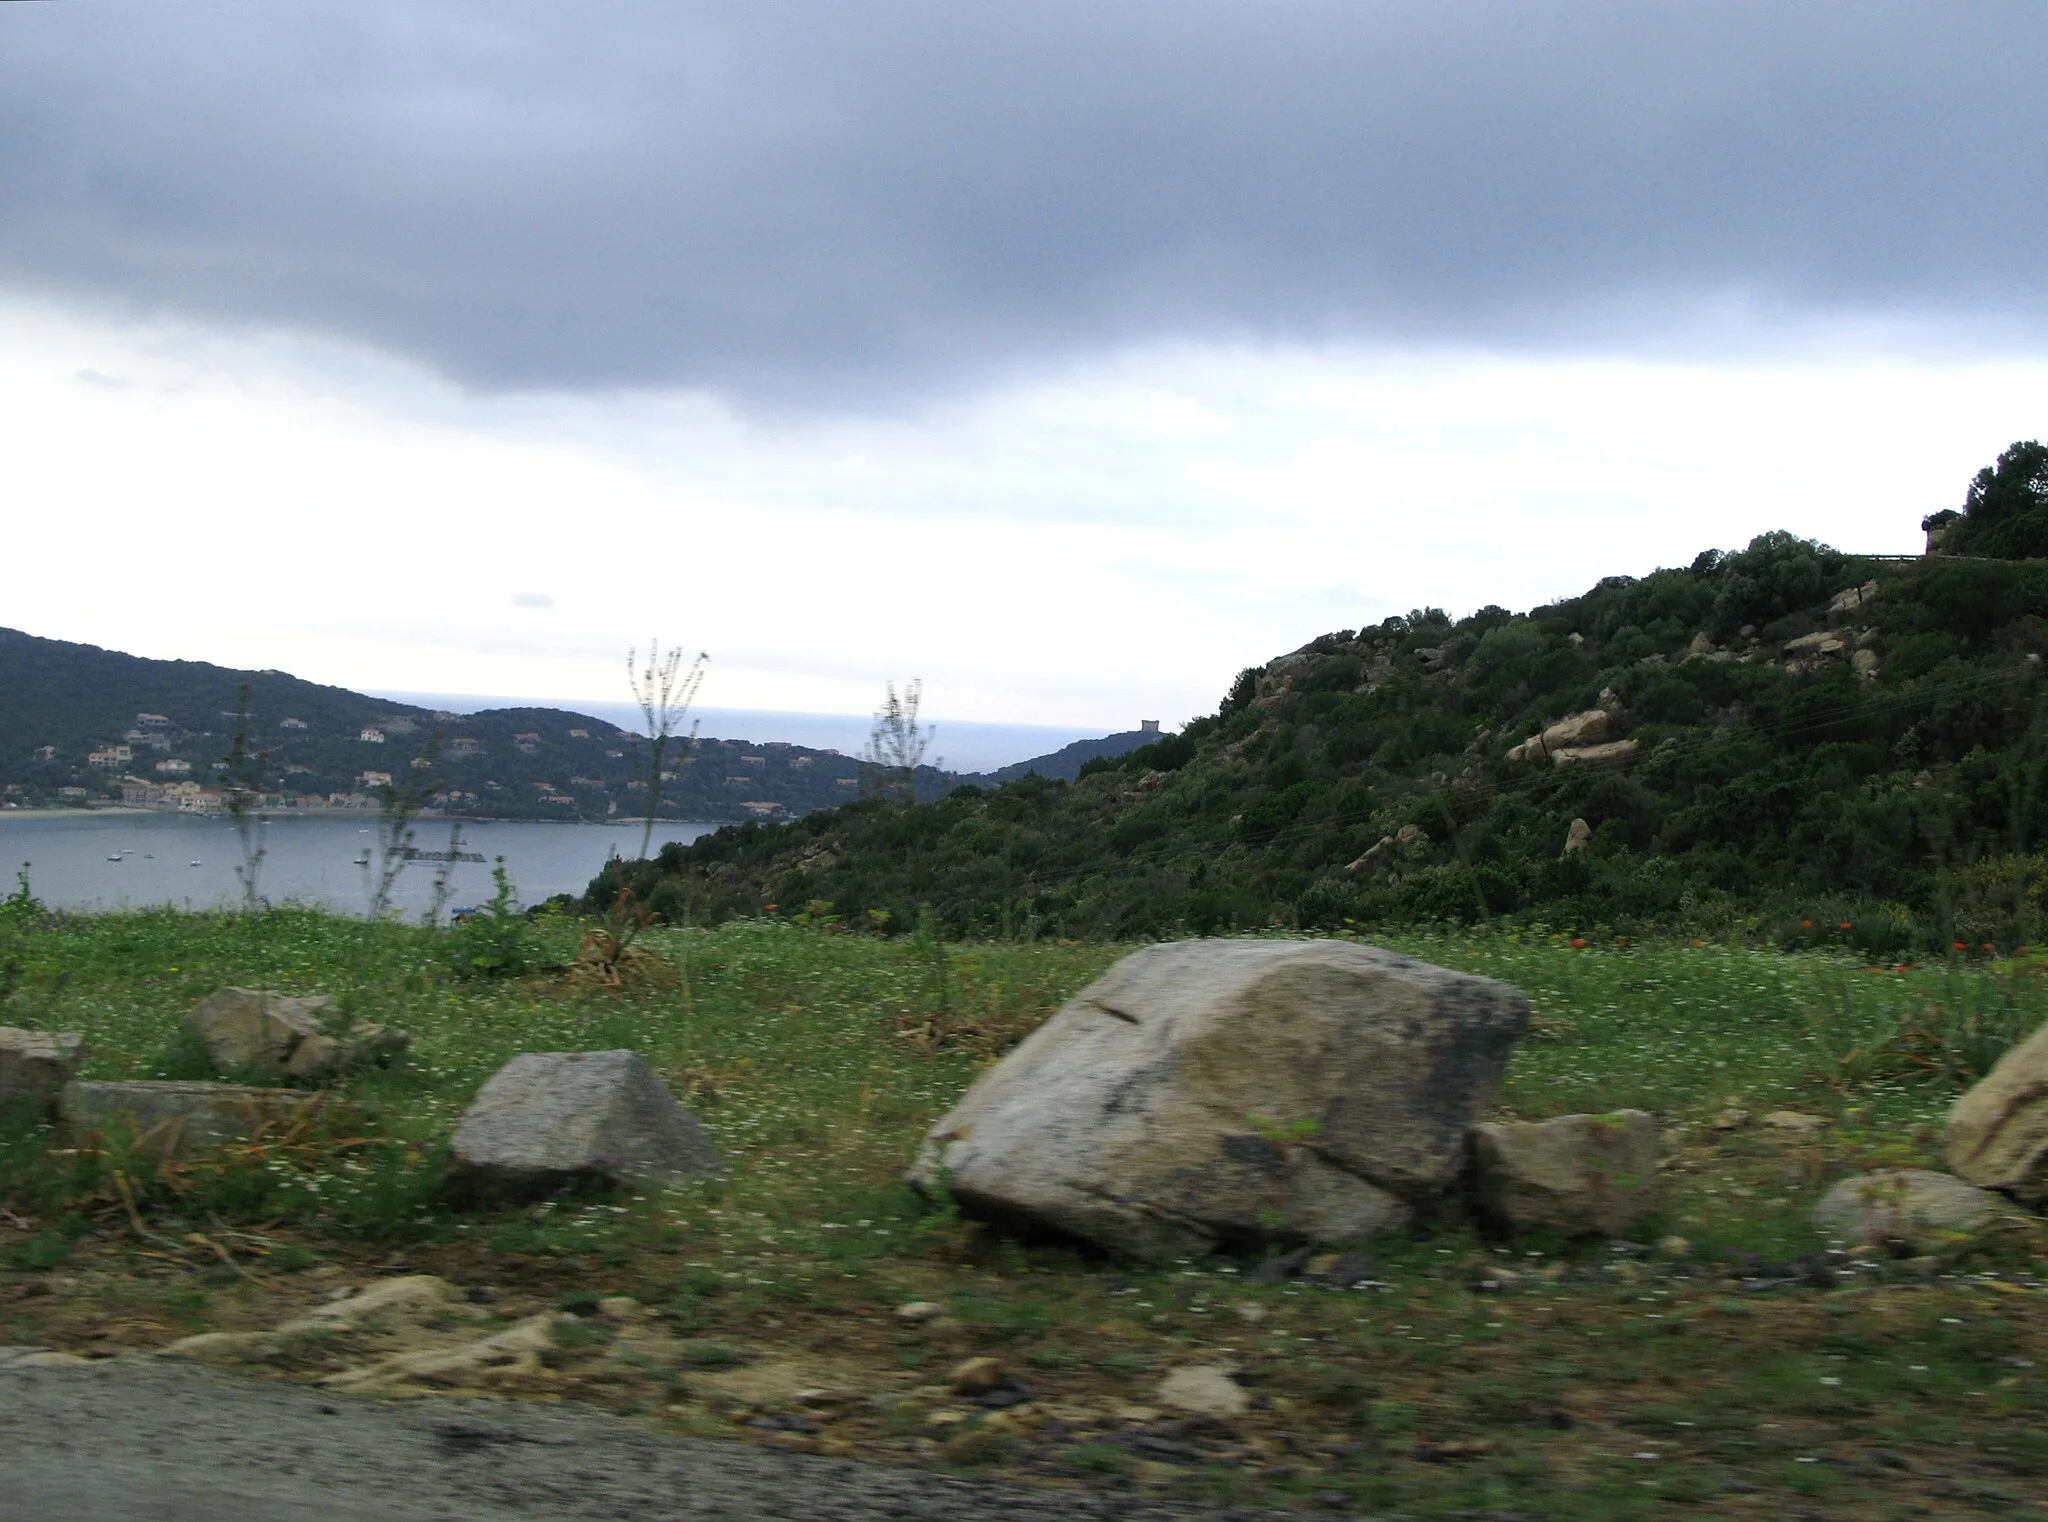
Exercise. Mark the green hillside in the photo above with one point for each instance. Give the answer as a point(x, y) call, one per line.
point(1786, 740)
point(60, 703)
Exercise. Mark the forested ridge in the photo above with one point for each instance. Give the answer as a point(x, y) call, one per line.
point(1786, 740)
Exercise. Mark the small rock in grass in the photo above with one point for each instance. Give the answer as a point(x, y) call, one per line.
point(618, 1307)
point(34, 1067)
point(915, 1311)
point(547, 1120)
point(1795, 1120)
point(1250, 1312)
point(284, 1037)
point(1279, 1270)
point(1673, 1247)
point(976, 1376)
point(1906, 1209)
point(1581, 1175)
point(1206, 1390)
point(1998, 1131)
point(1347, 1270)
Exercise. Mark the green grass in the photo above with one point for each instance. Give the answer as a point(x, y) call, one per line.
point(815, 1060)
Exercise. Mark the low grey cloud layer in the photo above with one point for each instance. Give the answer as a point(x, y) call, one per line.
point(800, 202)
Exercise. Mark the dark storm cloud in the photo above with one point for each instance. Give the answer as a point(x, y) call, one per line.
point(841, 201)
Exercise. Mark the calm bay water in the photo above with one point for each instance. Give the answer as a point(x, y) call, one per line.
point(190, 862)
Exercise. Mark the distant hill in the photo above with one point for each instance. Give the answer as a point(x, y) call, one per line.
point(1064, 764)
point(83, 725)
point(1787, 740)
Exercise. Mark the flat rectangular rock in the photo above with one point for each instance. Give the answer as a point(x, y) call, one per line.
point(170, 1119)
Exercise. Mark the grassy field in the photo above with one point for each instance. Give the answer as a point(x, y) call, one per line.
point(1734, 1372)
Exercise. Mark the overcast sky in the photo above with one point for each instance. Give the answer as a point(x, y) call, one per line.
point(1070, 356)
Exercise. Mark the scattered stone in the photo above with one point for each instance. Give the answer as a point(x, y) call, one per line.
point(1674, 1247)
point(1279, 1270)
point(551, 1120)
point(1349, 1269)
point(975, 1376)
point(505, 1358)
point(1730, 1119)
point(1577, 839)
point(1795, 1120)
point(1587, 728)
point(50, 1360)
point(1864, 663)
point(915, 1311)
point(34, 1067)
point(223, 1347)
point(1850, 601)
point(410, 1296)
point(1815, 646)
point(1226, 1090)
point(1206, 1390)
point(618, 1307)
point(1614, 753)
point(1998, 1130)
point(249, 1029)
point(1250, 1312)
point(165, 1120)
point(1904, 1209)
point(1581, 1175)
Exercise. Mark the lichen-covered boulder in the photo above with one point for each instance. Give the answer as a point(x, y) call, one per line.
point(281, 1036)
point(1998, 1130)
point(552, 1120)
point(1907, 1209)
point(164, 1120)
point(1204, 1093)
point(34, 1067)
point(1578, 1175)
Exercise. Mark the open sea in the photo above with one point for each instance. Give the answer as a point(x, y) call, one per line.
point(106, 860)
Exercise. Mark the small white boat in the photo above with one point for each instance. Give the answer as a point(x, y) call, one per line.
point(363, 860)
point(196, 862)
point(115, 857)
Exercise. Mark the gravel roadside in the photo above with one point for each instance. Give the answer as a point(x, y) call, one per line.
point(134, 1438)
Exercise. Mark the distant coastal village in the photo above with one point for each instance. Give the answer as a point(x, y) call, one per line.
point(87, 728)
point(185, 780)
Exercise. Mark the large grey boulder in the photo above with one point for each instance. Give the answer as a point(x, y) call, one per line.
point(1203, 1093)
point(1578, 1175)
point(285, 1037)
point(165, 1120)
point(1908, 1209)
point(1998, 1130)
point(34, 1067)
point(551, 1120)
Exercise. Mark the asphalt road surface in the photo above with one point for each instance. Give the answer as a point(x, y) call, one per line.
point(155, 1440)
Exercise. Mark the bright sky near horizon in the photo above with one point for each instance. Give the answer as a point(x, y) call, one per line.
point(1067, 356)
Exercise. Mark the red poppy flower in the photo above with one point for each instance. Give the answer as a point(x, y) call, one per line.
point(1578, 941)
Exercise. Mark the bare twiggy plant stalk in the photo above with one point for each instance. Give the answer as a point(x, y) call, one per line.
point(896, 744)
point(245, 803)
point(664, 690)
point(397, 808)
